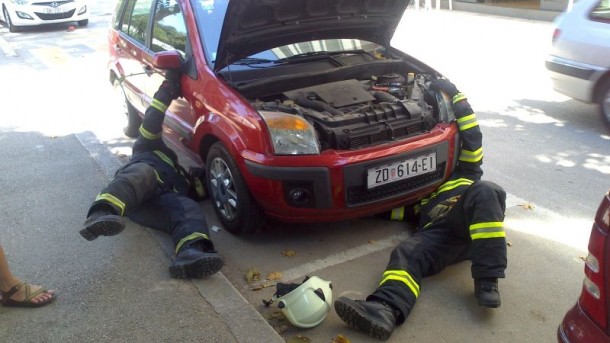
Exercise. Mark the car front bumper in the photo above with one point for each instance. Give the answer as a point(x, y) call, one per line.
point(335, 185)
point(574, 79)
point(42, 13)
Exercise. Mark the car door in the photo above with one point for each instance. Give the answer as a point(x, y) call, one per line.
point(131, 49)
point(169, 32)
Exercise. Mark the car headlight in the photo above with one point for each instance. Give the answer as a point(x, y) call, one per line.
point(290, 134)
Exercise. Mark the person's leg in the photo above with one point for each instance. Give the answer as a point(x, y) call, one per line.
point(425, 253)
point(482, 213)
point(17, 292)
point(183, 219)
point(132, 185)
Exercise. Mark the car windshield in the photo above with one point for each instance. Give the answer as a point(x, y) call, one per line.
point(210, 16)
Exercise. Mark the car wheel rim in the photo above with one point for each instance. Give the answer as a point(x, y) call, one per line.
point(121, 102)
point(223, 189)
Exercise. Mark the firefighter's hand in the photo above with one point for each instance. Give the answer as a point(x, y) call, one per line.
point(168, 91)
point(445, 86)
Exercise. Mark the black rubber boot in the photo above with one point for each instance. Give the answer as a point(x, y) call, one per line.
point(371, 317)
point(102, 223)
point(486, 291)
point(193, 262)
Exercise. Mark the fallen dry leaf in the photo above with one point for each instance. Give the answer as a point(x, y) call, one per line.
point(253, 275)
point(509, 244)
point(527, 206)
point(274, 276)
point(299, 339)
point(372, 241)
point(583, 258)
point(340, 339)
point(288, 253)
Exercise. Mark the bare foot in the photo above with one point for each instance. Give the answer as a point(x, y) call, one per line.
point(36, 294)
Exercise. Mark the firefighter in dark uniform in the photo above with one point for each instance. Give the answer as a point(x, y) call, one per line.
point(155, 191)
point(462, 219)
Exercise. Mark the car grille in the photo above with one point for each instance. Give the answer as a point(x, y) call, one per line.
point(48, 3)
point(359, 195)
point(359, 140)
point(65, 15)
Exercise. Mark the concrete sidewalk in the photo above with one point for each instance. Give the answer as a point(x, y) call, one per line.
point(114, 289)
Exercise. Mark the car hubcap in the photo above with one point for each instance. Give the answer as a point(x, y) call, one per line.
point(223, 189)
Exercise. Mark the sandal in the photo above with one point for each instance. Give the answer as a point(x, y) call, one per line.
point(29, 295)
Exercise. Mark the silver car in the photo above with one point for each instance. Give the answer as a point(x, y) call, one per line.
point(579, 60)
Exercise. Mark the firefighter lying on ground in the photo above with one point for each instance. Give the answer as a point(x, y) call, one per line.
point(155, 191)
point(462, 219)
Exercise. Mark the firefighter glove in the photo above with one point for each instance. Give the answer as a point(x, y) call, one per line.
point(168, 91)
point(445, 86)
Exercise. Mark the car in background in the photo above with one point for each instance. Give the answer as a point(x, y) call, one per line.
point(579, 59)
point(299, 110)
point(589, 319)
point(19, 13)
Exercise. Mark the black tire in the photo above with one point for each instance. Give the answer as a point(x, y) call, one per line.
point(83, 22)
point(604, 102)
point(132, 118)
point(234, 206)
point(8, 21)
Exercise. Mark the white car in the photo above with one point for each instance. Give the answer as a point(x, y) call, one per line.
point(18, 13)
point(579, 60)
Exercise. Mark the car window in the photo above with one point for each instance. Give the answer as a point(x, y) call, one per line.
point(135, 19)
point(169, 30)
point(601, 12)
point(210, 16)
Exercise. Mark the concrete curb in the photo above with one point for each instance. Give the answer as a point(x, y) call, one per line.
point(246, 324)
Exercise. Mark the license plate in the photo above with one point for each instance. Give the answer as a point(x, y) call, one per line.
point(51, 10)
point(401, 170)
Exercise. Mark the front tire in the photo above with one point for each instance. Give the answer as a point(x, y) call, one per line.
point(604, 102)
point(133, 119)
point(233, 204)
point(8, 21)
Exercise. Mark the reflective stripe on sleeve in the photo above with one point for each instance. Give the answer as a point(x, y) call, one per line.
point(148, 135)
point(165, 158)
point(158, 105)
point(192, 236)
point(458, 97)
point(471, 156)
point(398, 213)
point(402, 276)
point(113, 200)
point(467, 122)
point(487, 230)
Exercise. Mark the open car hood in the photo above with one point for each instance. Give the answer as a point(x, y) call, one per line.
point(252, 26)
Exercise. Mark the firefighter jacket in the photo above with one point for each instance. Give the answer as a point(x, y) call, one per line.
point(150, 148)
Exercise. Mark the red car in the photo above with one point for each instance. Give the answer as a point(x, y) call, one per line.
point(589, 320)
point(299, 110)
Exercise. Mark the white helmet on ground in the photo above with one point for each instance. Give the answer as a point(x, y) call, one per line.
point(308, 304)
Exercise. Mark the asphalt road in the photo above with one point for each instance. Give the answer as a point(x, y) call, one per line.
point(549, 152)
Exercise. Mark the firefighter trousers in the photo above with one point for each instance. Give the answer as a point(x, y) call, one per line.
point(430, 250)
point(135, 192)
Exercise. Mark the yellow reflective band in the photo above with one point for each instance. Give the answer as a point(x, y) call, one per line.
point(447, 186)
point(398, 213)
point(458, 97)
point(487, 230)
point(157, 176)
point(159, 105)
point(402, 276)
point(486, 225)
point(113, 200)
point(192, 236)
point(148, 135)
point(165, 158)
point(471, 156)
point(467, 122)
point(484, 235)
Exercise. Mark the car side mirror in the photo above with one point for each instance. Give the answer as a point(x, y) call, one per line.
point(167, 60)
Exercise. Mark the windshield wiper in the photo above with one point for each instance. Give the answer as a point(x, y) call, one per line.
point(250, 61)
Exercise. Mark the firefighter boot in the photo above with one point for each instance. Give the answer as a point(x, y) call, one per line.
point(486, 291)
point(102, 223)
point(374, 318)
point(194, 261)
